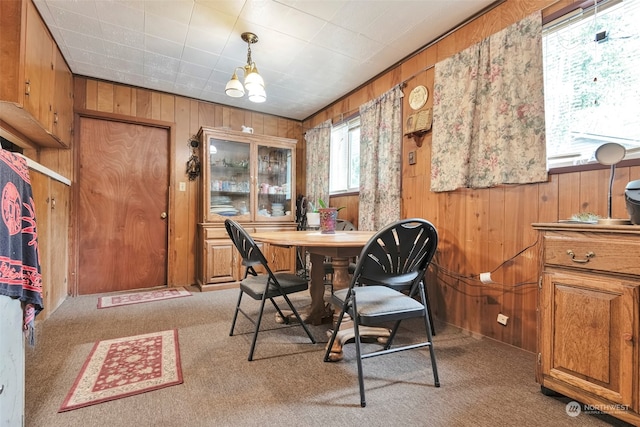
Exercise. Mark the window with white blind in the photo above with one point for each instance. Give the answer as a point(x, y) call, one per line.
point(344, 164)
point(592, 81)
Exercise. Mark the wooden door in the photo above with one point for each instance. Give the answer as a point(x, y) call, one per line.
point(220, 266)
point(123, 182)
point(587, 323)
point(281, 260)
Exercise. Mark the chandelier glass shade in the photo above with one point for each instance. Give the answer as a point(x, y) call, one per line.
point(253, 81)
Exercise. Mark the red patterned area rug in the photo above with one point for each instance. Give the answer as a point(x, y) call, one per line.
point(126, 366)
point(138, 297)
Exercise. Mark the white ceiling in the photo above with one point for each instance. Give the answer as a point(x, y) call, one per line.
point(310, 52)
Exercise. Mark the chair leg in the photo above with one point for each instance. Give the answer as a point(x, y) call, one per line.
point(336, 329)
point(255, 333)
point(284, 318)
point(356, 331)
point(428, 326)
point(295, 312)
point(235, 315)
point(392, 335)
point(302, 261)
point(428, 305)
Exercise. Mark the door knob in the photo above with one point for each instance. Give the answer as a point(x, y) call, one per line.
point(163, 215)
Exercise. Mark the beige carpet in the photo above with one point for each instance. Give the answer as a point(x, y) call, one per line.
point(484, 383)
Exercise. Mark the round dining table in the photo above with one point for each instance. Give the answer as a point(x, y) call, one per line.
point(340, 247)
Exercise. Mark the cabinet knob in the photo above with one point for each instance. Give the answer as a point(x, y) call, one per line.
point(627, 336)
point(163, 215)
point(580, 261)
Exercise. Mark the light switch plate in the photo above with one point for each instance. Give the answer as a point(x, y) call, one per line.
point(412, 157)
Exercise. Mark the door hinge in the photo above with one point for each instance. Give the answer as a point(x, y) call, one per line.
point(540, 283)
point(539, 358)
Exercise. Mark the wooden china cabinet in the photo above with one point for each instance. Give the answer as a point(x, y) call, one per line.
point(251, 179)
point(588, 316)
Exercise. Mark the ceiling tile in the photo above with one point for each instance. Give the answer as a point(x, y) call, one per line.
point(123, 14)
point(163, 46)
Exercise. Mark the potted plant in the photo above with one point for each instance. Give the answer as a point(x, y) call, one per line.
point(313, 216)
point(327, 217)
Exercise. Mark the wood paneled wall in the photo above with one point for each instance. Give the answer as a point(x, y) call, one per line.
point(484, 230)
point(350, 204)
point(184, 116)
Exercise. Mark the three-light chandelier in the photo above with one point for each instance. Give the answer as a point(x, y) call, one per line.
point(253, 82)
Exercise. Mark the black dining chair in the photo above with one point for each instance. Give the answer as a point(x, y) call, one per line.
point(262, 286)
point(395, 258)
point(301, 221)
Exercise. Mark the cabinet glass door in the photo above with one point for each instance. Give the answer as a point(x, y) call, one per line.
point(274, 183)
point(230, 179)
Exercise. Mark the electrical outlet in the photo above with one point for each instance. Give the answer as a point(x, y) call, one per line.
point(502, 319)
point(486, 278)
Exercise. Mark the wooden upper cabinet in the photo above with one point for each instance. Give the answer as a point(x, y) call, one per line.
point(62, 113)
point(38, 67)
point(36, 98)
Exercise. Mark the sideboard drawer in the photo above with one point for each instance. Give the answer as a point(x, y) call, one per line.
point(221, 232)
point(593, 253)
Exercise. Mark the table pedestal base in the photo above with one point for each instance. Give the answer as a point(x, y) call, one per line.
point(346, 333)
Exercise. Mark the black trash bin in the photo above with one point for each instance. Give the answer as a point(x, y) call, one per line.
point(632, 196)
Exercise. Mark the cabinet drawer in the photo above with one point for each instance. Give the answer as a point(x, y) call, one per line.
point(596, 254)
point(220, 233)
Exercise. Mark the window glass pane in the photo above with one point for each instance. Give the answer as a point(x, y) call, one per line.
point(338, 162)
point(354, 159)
point(592, 88)
point(345, 157)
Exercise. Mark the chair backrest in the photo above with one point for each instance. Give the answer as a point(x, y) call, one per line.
point(344, 225)
point(249, 250)
point(398, 255)
point(301, 212)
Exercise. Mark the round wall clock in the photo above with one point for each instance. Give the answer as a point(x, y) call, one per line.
point(418, 97)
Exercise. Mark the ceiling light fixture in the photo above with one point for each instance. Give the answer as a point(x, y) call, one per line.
point(253, 82)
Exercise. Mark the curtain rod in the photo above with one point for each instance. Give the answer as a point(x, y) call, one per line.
point(428, 67)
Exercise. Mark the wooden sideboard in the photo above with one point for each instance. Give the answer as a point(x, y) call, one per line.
point(588, 316)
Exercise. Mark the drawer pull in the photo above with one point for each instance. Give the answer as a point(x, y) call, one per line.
point(581, 261)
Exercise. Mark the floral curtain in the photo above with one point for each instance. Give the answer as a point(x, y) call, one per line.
point(380, 160)
point(318, 142)
point(488, 112)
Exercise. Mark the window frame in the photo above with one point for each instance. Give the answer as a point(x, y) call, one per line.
point(351, 123)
